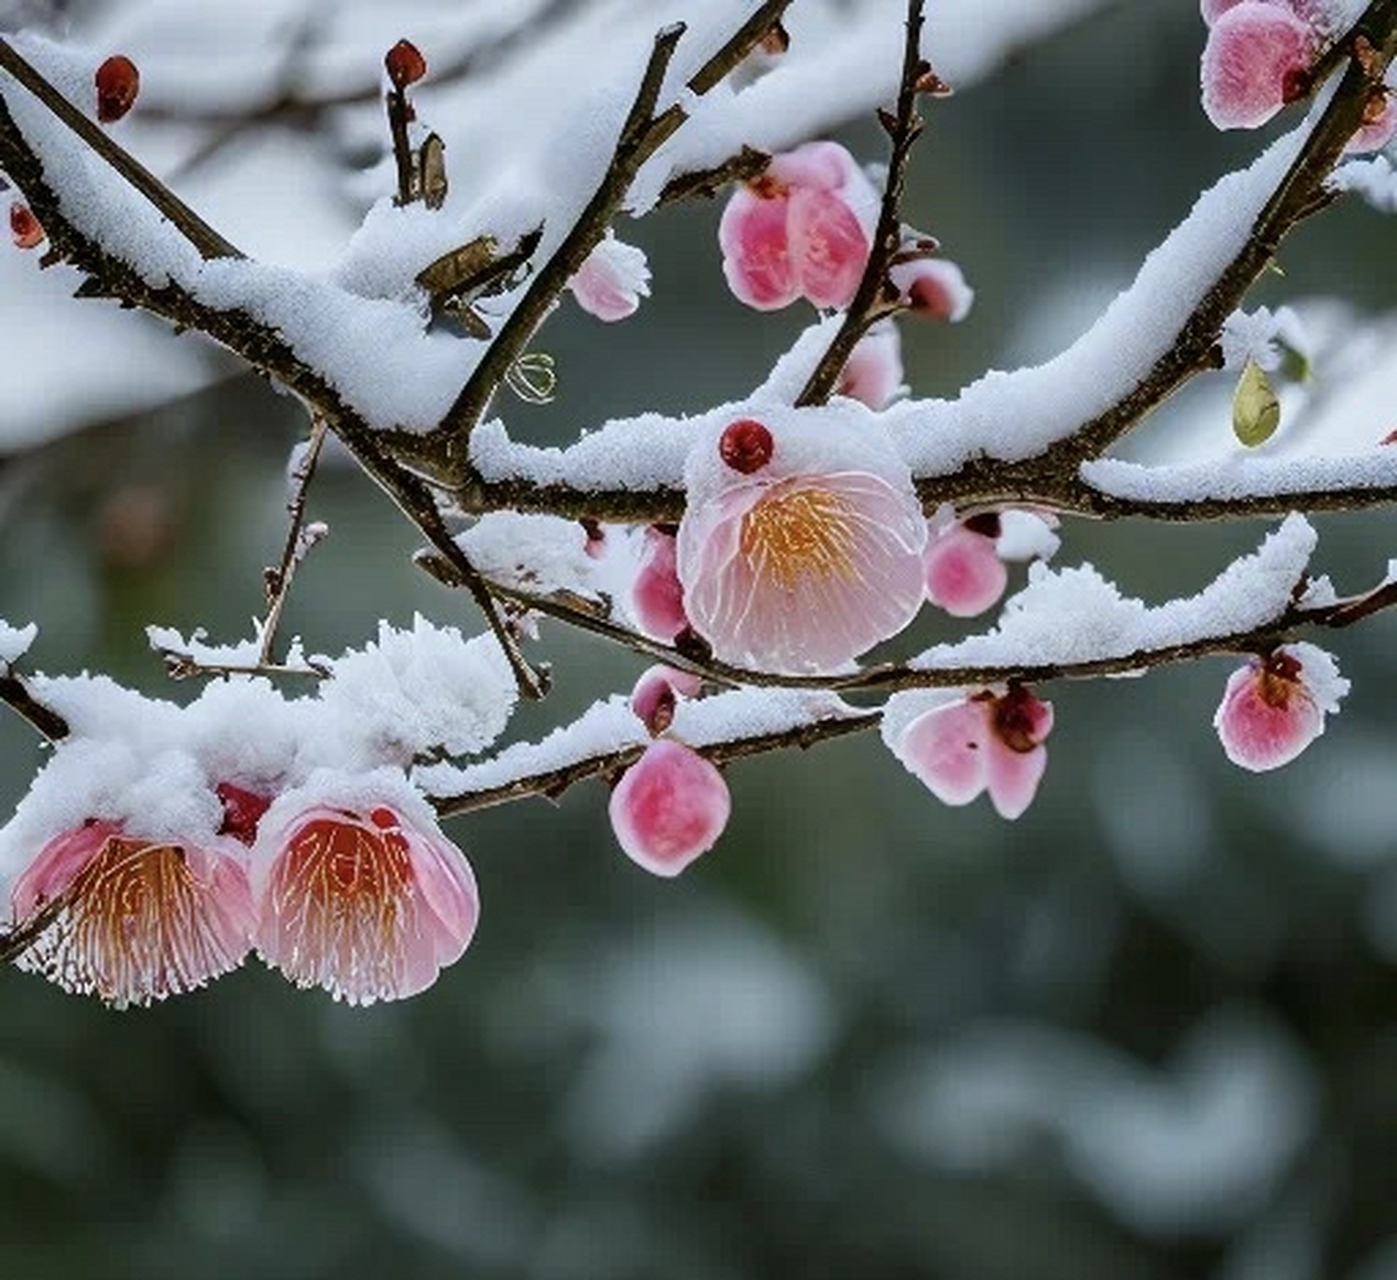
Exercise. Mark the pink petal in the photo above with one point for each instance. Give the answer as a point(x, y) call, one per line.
point(816, 166)
point(964, 574)
point(873, 372)
point(656, 594)
point(756, 250)
point(611, 282)
point(1255, 56)
point(947, 748)
point(670, 806)
point(828, 247)
point(935, 289)
point(1265, 721)
point(1012, 777)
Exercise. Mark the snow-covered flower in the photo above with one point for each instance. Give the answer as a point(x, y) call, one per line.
point(805, 560)
point(1274, 707)
point(873, 372)
point(933, 288)
point(959, 746)
point(1257, 59)
point(369, 902)
point(670, 806)
point(657, 598)
point(142, 919)
point(612, 281)
point(801, 229)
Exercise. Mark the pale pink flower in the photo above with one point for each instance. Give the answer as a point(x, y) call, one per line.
point(1257, 59)
point(670, 806)
point(964, 574)
point(802, 229)
point(612, 281)
point(143, 919)
point(804, 562)
point(933, 288)
point(365, 904)
point(657, 599)
point(1274, 707)
point(873, 372)
point(963, 746)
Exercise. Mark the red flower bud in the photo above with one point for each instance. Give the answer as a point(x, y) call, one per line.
point(746, 446)
point(27, 230)
point(405, 64)
point(118, 82)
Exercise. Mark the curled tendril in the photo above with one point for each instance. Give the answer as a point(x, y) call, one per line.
point(533, 378)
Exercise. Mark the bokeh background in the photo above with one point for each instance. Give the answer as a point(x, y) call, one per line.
point(1147, 1031)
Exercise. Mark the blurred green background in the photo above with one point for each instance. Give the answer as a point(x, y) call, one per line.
point(1147, 1031)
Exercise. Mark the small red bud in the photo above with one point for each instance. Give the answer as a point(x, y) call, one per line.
point(118, 82)
point(27, 230)
point(405, 64)
point(746, 446)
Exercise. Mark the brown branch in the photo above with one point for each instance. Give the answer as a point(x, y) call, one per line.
point(278, 580)
point(15, 694)
point(869, 304)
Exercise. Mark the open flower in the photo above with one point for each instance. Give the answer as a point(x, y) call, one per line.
point(142, 918)
point(1257, 59)
point(801, 229)
point(1274, 707)
point(670, 806)
point(612, 281)
point(367, 903)
point(961, 746)
point(803, 561)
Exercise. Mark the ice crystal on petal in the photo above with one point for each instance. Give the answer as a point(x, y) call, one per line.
point(670, 806)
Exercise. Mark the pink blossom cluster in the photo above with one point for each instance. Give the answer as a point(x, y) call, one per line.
point(1260, 55)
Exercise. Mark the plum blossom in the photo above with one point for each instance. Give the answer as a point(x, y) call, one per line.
point(670, 806)
point(142, 918)
point(801, 229)
point(657, 692)
point(933, 288)
point(657, 598)
point(612, 281)
point(369, 902)
point(1257, 59)
point(1274, 707)
point(873, 372)
point(964, 574)
point(959, 746)
point(806, 560)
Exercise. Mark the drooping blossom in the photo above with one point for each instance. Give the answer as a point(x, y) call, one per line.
point(612, 281)
point(367, 903)
point(1257, 59)
point(1274, 707)
point(657, 598)
point(142, 918)
point(804, 562)
point(670, 806)
point(657, 693)
point(873, 372)
point(801, 229)
point(959, 746)
point(964, 574)
point(933, 288)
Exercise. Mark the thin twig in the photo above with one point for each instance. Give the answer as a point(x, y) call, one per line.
point(15, 694)
point(278, 580)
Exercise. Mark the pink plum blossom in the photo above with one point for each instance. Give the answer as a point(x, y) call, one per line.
point(657, 598)
point(144, 918)
point(964, 574)
point(366, 904)
point(962, 746)
point(873, 372)
point(1257, 59)
point(1274, 707)
point(802, 229)
point(808, 560)
point(933, 288)
point(657, 693)
point(612, 281)
point(670, 806)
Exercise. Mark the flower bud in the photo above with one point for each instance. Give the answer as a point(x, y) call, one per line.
point(746, 446)
point(25, 229)
point(405, 64)
point(118, 82)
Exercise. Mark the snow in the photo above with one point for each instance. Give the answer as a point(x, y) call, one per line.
point(1241, 476)
point(15, 641)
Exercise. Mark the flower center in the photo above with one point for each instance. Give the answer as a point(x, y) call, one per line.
point(800, 533)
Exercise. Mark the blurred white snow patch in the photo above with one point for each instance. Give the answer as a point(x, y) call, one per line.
point(1156, 817)
point(1345, 804)
point(1193, 1149)
point(702, 1005)
point(15, 641)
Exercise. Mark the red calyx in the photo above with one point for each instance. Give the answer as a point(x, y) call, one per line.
point(118, 82)
point(746, 446)
point(242, 811)
point(405, 64)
